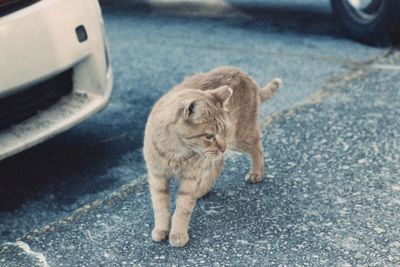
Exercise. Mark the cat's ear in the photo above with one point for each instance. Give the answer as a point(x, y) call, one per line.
point(222, 94)
point(189, 108)
point(194, 110)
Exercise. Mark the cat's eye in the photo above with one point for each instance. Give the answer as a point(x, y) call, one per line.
point(209, 136)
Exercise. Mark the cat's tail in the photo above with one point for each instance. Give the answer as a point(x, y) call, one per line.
point(269, 90)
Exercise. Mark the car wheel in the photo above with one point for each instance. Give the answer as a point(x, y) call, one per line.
point(370, 21)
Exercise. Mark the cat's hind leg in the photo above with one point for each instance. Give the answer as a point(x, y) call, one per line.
point(253, 146)
point(159, 190)
point(257, 164)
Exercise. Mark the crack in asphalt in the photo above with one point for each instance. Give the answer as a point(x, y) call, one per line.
point(381, 62)
point(118, 194)
point(39, 257)
point(386, 67)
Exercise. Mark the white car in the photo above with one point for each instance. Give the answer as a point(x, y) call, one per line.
point(54, 69)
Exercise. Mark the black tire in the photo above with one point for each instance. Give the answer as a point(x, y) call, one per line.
point(376, 24)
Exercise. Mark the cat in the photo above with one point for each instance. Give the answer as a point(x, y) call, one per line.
point(187, 134)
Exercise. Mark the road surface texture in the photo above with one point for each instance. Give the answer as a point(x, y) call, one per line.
point(331, 137)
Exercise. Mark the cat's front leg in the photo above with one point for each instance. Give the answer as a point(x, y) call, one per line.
point(159, 190)
point(185, 202)
point(208, 177)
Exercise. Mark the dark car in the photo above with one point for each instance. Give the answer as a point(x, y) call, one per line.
point(370, 21)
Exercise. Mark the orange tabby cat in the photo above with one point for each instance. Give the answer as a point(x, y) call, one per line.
point(187, 134)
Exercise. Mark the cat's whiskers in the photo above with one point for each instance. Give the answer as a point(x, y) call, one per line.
point(209, 160)
point(230, 147)
point(213, 163)
point(197, 162)
point(214, 156)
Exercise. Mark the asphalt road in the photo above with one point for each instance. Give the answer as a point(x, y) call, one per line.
point(331, 198)
point(153, 46)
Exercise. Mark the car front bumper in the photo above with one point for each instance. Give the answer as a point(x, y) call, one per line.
point(39, 42)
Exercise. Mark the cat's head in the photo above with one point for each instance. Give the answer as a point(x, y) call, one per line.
point(204, 123)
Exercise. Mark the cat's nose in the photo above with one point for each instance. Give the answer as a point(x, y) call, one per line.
point(222, 147)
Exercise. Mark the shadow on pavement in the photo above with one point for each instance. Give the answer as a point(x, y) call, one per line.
point(70, 165)
point(296, 19)
point(253, 16)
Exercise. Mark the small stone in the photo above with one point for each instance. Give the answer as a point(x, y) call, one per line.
point(362, 161)
point(350, 243)
point(340, 200)
point(344, 211)
point(396, 187)
point(394, 251)
point(394, 202)
point(358, 255)
point(379, 230)
point(395, 244)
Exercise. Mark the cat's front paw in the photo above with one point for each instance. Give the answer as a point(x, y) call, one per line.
point(159, 235)
point(253, 178)
point(178, 239)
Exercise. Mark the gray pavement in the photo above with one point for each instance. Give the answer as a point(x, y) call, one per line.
point(331, 198)
point(305, 212)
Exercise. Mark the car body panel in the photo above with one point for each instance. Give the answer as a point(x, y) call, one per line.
point(37, 43)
